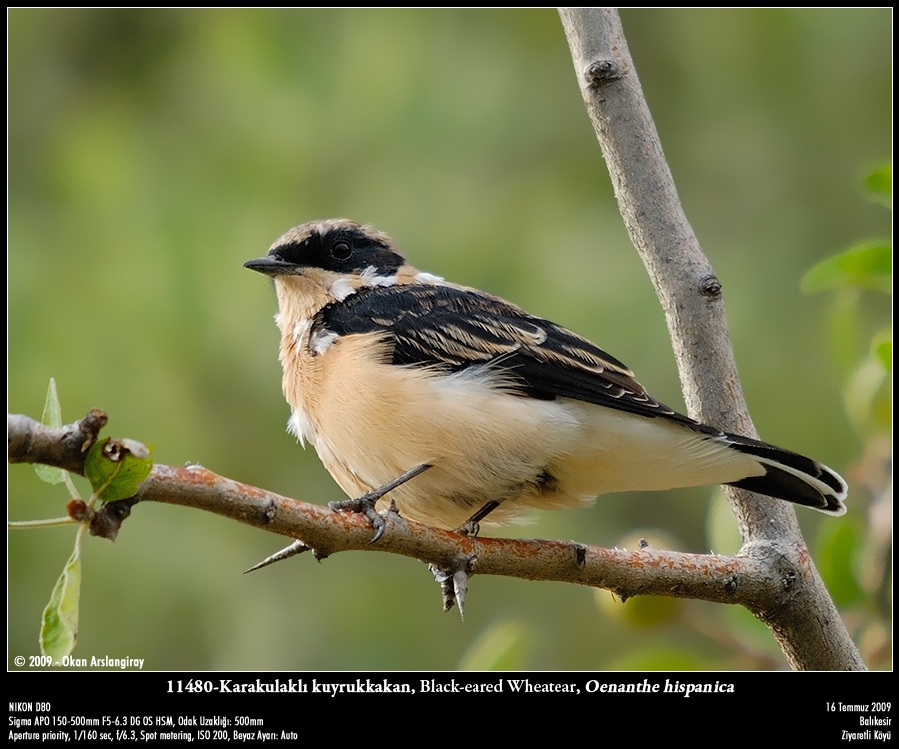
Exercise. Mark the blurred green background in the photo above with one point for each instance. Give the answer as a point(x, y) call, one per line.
point(151, 152)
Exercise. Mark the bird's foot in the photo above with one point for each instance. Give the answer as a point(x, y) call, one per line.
point(472, 526)
point(469, 528)
point(366, 503)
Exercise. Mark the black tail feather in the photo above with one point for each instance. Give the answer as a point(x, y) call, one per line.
point(792, 477)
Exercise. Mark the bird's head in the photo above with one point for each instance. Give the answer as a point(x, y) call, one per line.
point(325, 262)
point(330, 248)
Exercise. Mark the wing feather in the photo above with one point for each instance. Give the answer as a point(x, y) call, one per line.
point(457, 328)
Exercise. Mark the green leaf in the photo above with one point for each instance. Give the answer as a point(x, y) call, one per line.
point(640, 612)
point(59, 623)
point(879, 185)
point(52, 417)
point(882, 349)
point(868, 397)
point(868, 264)
point(116, 468)
point(839, 547)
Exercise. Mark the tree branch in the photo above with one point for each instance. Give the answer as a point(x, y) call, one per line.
point(753, 580)
point(806, 623)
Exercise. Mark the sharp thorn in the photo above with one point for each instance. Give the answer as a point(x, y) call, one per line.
point(297, 547)
point(460, 586)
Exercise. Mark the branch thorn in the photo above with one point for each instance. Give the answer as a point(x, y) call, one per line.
point(297, 547)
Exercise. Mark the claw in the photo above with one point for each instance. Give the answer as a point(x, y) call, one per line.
point(472, 526)
point(469, 528)
point(366, 503)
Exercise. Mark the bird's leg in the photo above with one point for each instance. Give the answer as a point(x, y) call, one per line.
point(472, 526)
point(366, 503)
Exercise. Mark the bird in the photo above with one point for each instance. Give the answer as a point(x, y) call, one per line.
point(455, 407)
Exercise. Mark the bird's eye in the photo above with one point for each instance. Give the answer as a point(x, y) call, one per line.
point(341, 249)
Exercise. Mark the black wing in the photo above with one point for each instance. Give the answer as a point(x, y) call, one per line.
point(457, 328)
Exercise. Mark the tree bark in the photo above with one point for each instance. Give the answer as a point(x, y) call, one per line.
point(803, 619)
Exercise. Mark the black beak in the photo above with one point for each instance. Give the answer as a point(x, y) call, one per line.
point(268, 266)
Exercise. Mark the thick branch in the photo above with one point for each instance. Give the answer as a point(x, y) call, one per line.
point(64, 448)
point(751, 580)
point(808, 627)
